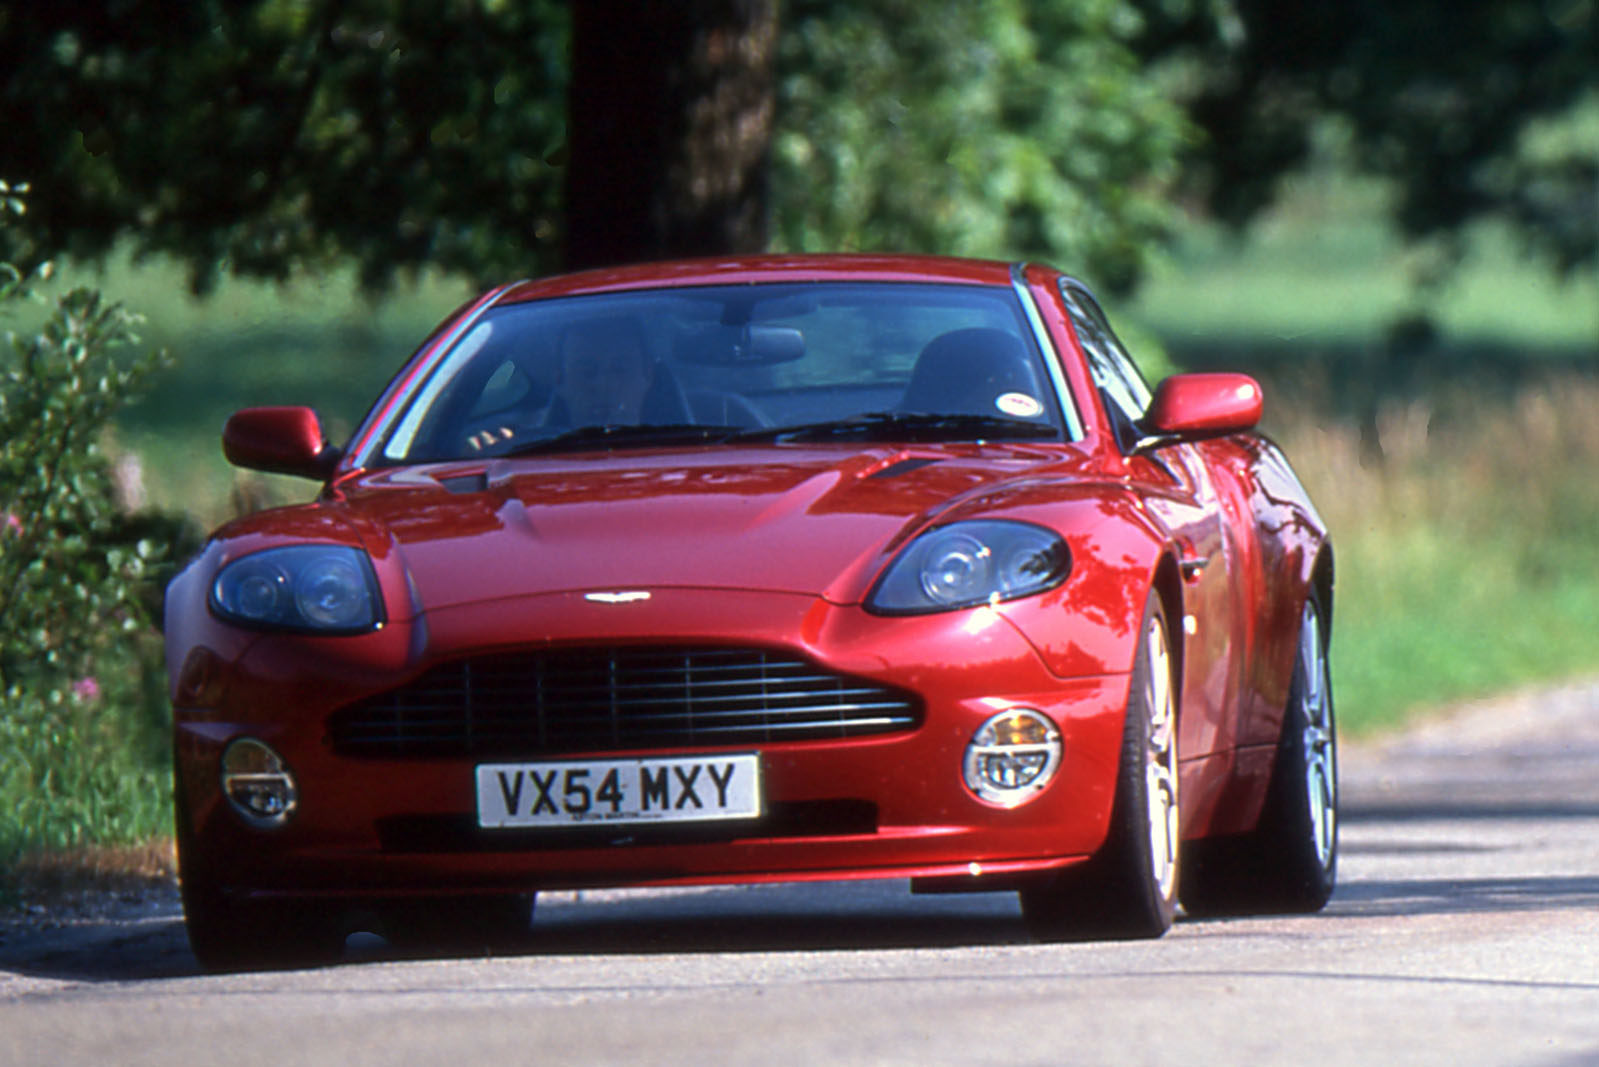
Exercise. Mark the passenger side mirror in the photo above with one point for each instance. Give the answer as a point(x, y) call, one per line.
point(1192, 407)
point(279, 440)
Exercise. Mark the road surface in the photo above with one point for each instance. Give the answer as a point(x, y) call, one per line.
point(1465, 929)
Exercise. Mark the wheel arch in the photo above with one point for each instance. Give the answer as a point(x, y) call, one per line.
point(1167, 583)
point(1321, 583)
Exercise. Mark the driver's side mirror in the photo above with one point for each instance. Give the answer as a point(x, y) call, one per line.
point(1192, 407)
point(279, 440)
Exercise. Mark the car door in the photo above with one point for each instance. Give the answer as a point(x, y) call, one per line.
point(1177, 489)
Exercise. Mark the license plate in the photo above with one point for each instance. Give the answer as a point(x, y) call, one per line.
point(619, 792)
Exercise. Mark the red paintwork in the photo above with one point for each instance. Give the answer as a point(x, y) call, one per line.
point(1206, 404)
point(284, 440)
point(770, 545)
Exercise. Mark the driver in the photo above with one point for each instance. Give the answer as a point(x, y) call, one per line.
point(605, 374)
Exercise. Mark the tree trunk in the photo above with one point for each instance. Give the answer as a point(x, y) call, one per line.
point(669, 126)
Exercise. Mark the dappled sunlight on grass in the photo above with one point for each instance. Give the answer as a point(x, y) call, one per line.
point(1324, 266)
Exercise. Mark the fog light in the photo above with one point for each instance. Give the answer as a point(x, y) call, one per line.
point(258, 784)
point(1012, 757)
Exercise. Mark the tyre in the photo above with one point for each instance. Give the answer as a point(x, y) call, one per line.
point(1128, 889)
point(229, 935)
point(226, 934)
point(1289, 863)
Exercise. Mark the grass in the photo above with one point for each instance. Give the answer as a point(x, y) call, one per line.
point(65, 882)
point(1324, 268)
point(86, 767)
point(1468, 561)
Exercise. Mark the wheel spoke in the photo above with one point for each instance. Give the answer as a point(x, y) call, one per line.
point(1162, 793)
point(1317, 739)
point(1160, 763)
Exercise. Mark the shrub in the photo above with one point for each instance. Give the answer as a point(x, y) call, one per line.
point(82, 706)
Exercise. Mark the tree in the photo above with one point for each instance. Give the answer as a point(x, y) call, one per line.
point(1008, 128)
point(261, 137)
point(1455, 102)
point(670, 120)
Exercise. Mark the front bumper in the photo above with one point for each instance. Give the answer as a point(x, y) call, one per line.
point(892, 805)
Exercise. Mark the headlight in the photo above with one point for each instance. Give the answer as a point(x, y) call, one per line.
point(979, 561)
point(318, 588)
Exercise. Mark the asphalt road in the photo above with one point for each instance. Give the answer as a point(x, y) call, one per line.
point(1465, 930)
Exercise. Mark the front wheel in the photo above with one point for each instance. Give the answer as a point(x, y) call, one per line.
point(229, 934)
point(1289, 863)
point(1128, 889)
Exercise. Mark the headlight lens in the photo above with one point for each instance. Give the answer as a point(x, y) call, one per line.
point(974, 562)
point(1012, 757)
point(320, 588)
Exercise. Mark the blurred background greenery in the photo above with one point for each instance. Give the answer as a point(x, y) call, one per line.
point(1388, 212)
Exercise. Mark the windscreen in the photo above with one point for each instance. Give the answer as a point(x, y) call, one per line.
point(724, 364)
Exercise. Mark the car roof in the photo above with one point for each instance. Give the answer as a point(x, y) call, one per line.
point(755, 269)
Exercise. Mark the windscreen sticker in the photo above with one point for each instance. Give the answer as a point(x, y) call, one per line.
point(1018, 405)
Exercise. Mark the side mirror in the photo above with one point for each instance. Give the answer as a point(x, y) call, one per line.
point(1191, 407)
point(279, 440)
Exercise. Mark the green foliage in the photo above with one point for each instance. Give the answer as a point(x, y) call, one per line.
point(65, 581)
point(80, 766)
point(265, 136)
point(261, 137)
point(1002, 129)
point(1451, 101)
point(82, 714)
point(1325, 270)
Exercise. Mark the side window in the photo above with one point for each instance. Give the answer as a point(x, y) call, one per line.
point(1121, 387)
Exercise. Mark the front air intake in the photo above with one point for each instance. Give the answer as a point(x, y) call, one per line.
point(550, 702)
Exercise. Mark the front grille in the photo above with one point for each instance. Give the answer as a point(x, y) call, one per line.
point(614, 699)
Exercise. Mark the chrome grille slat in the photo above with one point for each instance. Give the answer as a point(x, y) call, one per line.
point(610, 699)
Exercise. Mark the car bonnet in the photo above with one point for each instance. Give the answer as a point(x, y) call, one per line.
point(817, 521)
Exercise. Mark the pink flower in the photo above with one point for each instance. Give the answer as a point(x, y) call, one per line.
point(13, 523)
point(86, 689)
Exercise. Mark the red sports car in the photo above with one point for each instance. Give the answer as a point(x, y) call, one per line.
point(754, 570)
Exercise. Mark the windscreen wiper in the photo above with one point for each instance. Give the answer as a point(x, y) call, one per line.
point(609, 437)
point(904, 426)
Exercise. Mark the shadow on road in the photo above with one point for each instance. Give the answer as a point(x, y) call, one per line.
point(810, 917)
point(1393, 811)
point(1472, 895)
point(778, 918)
point(106, 950)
